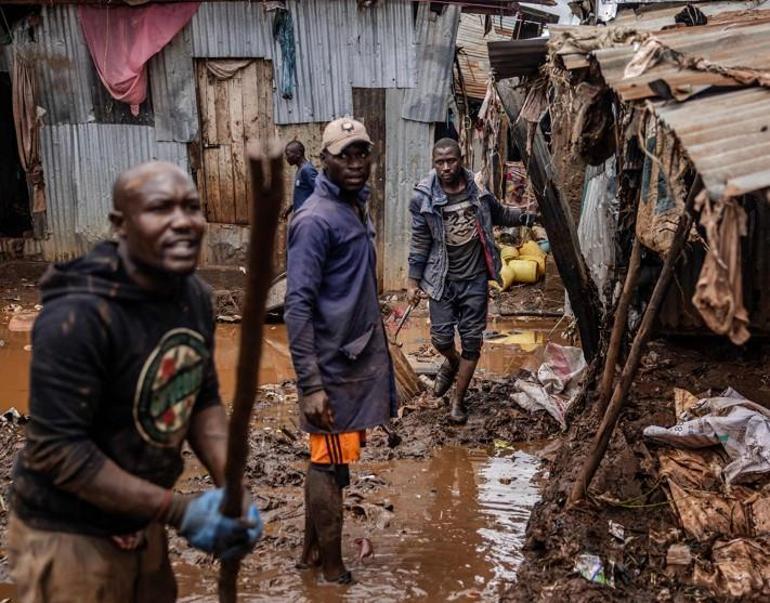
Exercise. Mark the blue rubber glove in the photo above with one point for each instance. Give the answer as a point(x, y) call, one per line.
point(205, 528)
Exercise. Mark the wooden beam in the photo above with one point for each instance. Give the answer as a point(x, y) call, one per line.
point(558, 223)
point(619, 326)
point(602, 438)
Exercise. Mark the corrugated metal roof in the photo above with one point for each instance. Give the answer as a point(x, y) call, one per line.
point(741, 42)
point(382, 45)
point(726, 136)
point(223, 30)
point(436, 38)
point(407, 161)
point(472, 50)
point(172, 86)
point(516, 58)
point(80, 164)
point(725, 131)
point(63, 65)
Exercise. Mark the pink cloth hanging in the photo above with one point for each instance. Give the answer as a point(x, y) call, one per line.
point(122, 39)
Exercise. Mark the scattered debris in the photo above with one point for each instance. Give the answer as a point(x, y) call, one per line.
point(558, 383)
point(592, 569)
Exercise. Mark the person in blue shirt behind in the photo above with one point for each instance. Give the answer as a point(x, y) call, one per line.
point(304, 183)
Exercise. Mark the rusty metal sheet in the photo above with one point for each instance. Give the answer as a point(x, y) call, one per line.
point(726, 136)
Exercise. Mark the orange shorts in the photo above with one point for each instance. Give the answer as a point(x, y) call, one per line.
point(336, 448)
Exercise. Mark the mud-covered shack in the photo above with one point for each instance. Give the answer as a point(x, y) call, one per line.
point(230, 72)
point(638, 109)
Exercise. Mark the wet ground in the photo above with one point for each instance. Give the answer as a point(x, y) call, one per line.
point(445, 511)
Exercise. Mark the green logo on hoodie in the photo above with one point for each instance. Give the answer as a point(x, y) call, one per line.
point(168, 387)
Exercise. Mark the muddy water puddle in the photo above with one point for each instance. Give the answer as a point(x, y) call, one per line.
point(458, 518)
point(509, 346)
point(455, 534)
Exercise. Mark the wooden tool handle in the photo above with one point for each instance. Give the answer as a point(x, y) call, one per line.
point(266, 166)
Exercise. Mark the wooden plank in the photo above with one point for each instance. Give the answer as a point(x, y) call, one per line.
point(369, 107)
point(251, 106)
point(208, 107)
point(211, 171)
point(240, 200)
point(222, 111)
point(226, 200)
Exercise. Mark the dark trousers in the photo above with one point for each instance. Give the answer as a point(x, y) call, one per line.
point(463, 305)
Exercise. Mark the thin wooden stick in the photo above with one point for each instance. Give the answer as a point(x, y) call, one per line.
point(619, 326)
point(267, 196)
point(602, 437)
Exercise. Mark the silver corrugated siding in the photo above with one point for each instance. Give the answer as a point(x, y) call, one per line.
point(63, 64)
point(323, 89)
point(382, 45)
point(407, 161)
point(80, 163)
point(172, 85)
point(340, 46)
point(224, 30)
point(436, 36)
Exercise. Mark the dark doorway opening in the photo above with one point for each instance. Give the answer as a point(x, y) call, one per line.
point(15, 217)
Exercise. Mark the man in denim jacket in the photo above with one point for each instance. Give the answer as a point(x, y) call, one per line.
point(451, 257)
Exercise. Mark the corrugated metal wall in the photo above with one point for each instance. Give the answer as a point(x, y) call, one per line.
point(224, 30)
point(436, 36)
point(339, 46)
point(172, 86)
point(81, 162)
point(407, 161)
point(63, 65)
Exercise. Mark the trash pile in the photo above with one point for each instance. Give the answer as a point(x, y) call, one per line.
point(556, 385)
point(717, 480)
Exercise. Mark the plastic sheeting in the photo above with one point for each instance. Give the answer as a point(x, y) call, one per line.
point(122, 40)
point(741, 427)
point(558, 383)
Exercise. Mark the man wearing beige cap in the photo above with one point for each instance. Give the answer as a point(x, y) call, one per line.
point(336, 336)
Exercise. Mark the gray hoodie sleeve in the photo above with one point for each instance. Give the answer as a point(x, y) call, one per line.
point(421, 241)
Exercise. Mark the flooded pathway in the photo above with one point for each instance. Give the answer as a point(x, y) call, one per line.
point(452, 525)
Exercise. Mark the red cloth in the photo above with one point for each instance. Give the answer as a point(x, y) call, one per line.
point(122, 39)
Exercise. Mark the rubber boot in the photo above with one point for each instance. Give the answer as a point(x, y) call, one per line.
point(325, 502)
point(465, 372)
point(310, 554)
point(447, 372)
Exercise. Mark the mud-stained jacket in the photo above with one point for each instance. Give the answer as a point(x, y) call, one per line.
point(332, 311)
point(117, 372)
point(428, 258)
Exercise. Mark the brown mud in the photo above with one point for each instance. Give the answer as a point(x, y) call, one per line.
point(445, 510)
point(627, 489)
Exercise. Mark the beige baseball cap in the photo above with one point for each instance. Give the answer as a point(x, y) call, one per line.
point(342, 132)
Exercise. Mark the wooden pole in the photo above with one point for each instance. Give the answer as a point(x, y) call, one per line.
point(602, 437)
point(267, 196)
point(559, 225)
point(619, 326)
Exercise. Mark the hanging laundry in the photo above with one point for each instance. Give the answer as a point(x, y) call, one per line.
point(283, 33)
point(122, 39)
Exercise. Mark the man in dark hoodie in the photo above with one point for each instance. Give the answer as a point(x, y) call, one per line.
point(336, 336)
point(451, 257)
point(122, 374)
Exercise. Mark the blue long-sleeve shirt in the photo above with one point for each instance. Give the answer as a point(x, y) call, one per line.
point(336, 336)
point(304, 184)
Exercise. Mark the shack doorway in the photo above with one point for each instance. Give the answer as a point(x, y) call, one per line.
point(236, 106)
point(15, 215)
